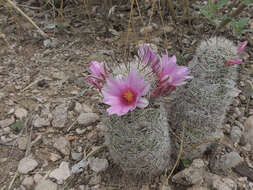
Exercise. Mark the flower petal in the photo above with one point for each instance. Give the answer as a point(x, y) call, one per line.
point(142, 103)
point(241, 47)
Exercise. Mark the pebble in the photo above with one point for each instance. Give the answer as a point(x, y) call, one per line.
point(22, 141)
point(26, 165)
point(146, 29)
point(28, 182)
point(248, 126)
point(76, 156)
point(86, 119)
point(41, 122)
point(192, 175)
point(224, 184)
point(46, 185)
point(226, 162)
point(79, 167)
point(236, 134)
point(62, 173)
point(62, 145)
point(60, 116)
point(37, 178)
point(20, 113)
point(198, 187)
point(86, 109)
point(50, 43)
point(6, 122)
point(54, 157)
point(98, 165)
point(95, 180)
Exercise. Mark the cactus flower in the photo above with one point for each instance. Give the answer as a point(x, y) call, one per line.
point(99, 74)
point(125, 95)
point(241, 47)
point(149, 57)
point(233, 62)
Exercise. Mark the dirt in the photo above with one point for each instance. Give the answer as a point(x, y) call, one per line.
point(35, 77)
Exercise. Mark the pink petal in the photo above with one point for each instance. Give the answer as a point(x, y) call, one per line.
point(142, 103)
point(233, 62)
point(242, 46)
point(93, 82)
point(96, 69)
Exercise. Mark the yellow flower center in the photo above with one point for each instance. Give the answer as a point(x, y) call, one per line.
point(128, 96)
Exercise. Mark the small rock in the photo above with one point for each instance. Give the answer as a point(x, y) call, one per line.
point(146, 29)
point(62, 173)
point(62, 145)
point(85, 119)
point(22, 141)
point(168, 29)
point(28, 182)
point(248, 125)
point(223, 164)
point(46, 185)
point(26, 165)
point(50, 43)
point(198, 187)
point(78, 107)
point(198, 163)
point(54, 157)
point(189, 176)
point(37, 178)
point(76, 156)
point(6, 122)
point(79, 167)
point(145, 187)
point(41, 122)
point(224, 184)
point(60, 116)
point(98, 165)
point(20, 113)
point(86, 109)
point(236, 134)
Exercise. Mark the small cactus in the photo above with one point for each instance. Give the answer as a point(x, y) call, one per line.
point(204, 101)
point(139, 141)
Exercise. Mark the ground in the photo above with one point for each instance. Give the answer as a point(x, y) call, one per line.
point(47, 80)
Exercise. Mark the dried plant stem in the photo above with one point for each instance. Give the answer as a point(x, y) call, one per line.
point(4, 38)
point(204, 142)
point(150, 18)
point(86, 6)
point(139, 11)
point(28, 18)
point(180, 151)
point(161, 16)
point(240, 8)
point(186, 11)
point(128, 29)
point(172, 12)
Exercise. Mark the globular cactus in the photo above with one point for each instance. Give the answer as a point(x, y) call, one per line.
point(203, 102)
point(139, 141)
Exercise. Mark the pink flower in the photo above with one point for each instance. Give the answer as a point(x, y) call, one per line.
point(233, 62)
point(125, 94)
point(98, 70)
point(241, 47)
point(149, 57)
point(99, 74)
point(170, 76)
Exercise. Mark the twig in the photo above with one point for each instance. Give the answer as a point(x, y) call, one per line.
point(172, 12)
point(13, 180)
point(94, 151)
point(70, 127)
point(180, 151)
point(28, 18)
point(230, 17)
point(204, 142)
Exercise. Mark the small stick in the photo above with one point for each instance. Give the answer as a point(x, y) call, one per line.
point(13, 180)
point(180, 151)
point(172, 12)
point(28, 18)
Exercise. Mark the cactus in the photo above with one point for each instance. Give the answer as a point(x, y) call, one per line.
point(203, 102)
point(139, 141)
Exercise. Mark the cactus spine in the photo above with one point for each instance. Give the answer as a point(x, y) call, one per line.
point(203, 102)
point(139, 141)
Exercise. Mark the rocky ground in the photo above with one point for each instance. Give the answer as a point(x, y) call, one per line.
point(51, 130)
